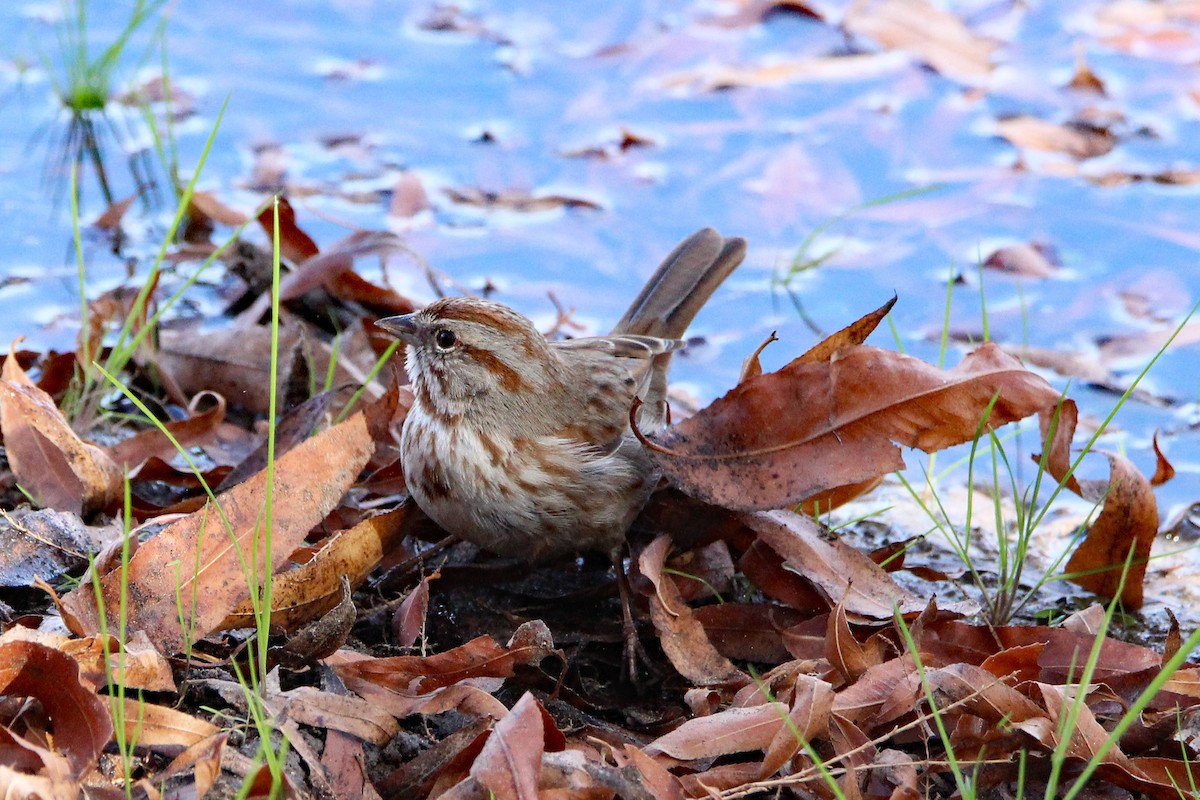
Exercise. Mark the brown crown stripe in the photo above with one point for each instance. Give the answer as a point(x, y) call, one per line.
point(491, 316)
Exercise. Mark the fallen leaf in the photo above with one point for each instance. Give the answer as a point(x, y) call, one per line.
point(111, 218)
point(46, 544)
point(751, 368)
point(510, 763)
point(1127, 524)
point(322, 269)
point(881, 694)
point(159, 727)
point(81, 725)
point(294, 244)
point(748, 631)
point(937, 37)
point(808, 720)
point(1078, 140)
point(812, 427)
point(734, 730)
point(51, 462)
point(1163, 471)
point(1084, 79)
point(202, 760)
point(131, 453)
point(1025, 260)
point(308, 591)
point(683, 638)
point(353, 715)
point(460, 678)
point(199, 557)
point(846, 575)
point(409, 620)
point(852, 335)
point(408, 197)
point(844, 653)
point(322, 637)
point(206, 203)
point(517, 200)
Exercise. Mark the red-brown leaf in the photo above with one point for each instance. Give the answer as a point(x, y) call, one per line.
point(511, 760)
point(735, 730)
point(50, 461)
point(197, 558)
point(1128, 521)
point(811, 427)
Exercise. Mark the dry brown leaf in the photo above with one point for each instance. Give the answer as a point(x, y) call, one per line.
point(196, 560)
point(202, 760)
point(812, 427)
point(324, 268)
point(1084, 79)
point(660, 783)
point(1163, 471)
point(1077, 140)
point(323, 636)
point(1025, 260)
point(416, 777)
point(510, 763)
point(748, 631)
point(408, 197)
point(111, 218)
point(852, 335)
point(883, 693)
point(51, 462)
point(131, 453)
point(845, 67)
point(308, 591)
point(751, 367)
point(812, 703)
point(683, 638)
point(844, 652)
point(937, 37)
point(157, 726)
point(977, 691)
point(846, 575)
point(409, 619)
point(1128, 522)
point(353, 715)
point(206, 203)
point(734, 730)
point(517, 200)
point(453, 679)
point(101, 659)
point(80, 723)
point(232, 362)
point(763, 567)
point(1115, 350)
point(294, 244)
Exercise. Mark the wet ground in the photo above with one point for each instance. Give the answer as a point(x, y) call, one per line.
point(631, 124)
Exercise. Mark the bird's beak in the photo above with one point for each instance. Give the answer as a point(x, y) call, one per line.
point(403, 327)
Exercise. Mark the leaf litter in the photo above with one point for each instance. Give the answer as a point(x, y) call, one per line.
point(771, 639)
point(779, 655)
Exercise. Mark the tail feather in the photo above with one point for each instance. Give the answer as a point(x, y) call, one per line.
point(670, 300)
point(682, 284)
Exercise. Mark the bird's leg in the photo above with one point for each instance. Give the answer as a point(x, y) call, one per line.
point(633, 650)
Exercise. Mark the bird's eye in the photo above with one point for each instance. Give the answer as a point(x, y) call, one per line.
point(444, 339)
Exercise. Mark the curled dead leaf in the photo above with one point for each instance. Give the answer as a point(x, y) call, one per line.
point(812, 427)
point(1123, 533)
point(51, 462)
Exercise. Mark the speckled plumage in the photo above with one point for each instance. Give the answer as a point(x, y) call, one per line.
point(522, 445)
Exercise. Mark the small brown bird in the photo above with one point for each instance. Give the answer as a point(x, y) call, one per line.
point(523, 445)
